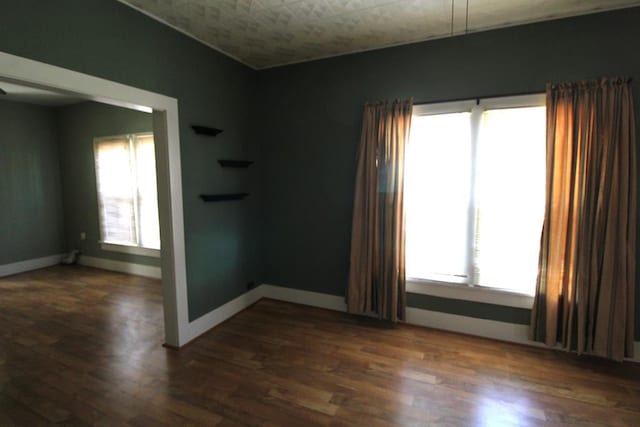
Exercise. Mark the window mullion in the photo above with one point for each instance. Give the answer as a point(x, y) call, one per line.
point(476, 118)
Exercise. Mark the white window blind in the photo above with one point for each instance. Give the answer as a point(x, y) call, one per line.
point(127, 192)
point(474, 192)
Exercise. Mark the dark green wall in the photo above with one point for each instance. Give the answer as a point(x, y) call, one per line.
point(31, 213)
point(301, 123)
point(78, 125)
point(478, 310)
point(104, 38)
point(311, 115)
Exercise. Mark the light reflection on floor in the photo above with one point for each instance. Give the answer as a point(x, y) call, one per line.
point(496, 412)
point(506, 407)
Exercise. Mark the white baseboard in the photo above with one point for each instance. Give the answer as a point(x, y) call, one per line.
point(501, 331)
point(494, 329)
point(121, 266)
point(222, 313)
point(415, 316)
point(29, 264)
point(314, 299)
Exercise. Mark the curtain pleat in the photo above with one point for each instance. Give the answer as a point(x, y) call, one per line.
point(585, 289)
point(377, 261)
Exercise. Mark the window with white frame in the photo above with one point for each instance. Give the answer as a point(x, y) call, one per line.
point(127, 192)
point(475, 192)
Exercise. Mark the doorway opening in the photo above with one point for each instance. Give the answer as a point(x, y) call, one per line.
point(29, 73)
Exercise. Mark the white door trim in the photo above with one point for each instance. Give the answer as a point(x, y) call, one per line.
point(174, 276)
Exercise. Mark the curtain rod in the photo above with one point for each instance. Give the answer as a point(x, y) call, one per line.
point(502, 95)
point(478, 98)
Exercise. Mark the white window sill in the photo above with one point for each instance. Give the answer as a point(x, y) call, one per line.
point(469, 293)
point(132, 250)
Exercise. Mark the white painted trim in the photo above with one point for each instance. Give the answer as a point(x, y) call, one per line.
point(444, 107)
point(29, 264)
point(166, 131)
point(121, 266)
point(501, 331)
point(516, 101)
point(415, 316)
point(469, 325)
point(128, 249)
point(224, 312)
point(493, 329)
point(470, 293)
point(173, 258)
point(315, 299)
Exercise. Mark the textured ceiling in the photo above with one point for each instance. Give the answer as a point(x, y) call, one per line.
point(266, 33)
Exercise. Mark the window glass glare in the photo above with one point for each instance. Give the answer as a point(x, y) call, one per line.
point(147, 192)
point(127, 192)
point(510, 191)
point(437, 184)
point(115, 191)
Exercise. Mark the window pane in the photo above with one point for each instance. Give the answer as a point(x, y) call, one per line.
point(147, 192)
point(510, 198)
point(115, 191)
point(437, 185)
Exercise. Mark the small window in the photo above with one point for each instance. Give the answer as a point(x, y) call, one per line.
point(127, 192)
point(475, 192)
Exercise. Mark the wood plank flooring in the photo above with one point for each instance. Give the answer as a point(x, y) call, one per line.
point(81, 346)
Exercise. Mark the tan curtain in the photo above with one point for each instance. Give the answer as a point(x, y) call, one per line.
point(377, 270)
point(585, 291)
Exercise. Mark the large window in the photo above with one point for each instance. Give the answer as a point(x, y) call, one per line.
point(474, 192)
point(127, 193)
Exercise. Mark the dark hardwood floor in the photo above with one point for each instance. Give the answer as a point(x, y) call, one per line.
point(80, 346)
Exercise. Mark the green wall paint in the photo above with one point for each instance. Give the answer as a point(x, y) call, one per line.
point(478, 310)
point(310, 120)
point(31, 213)
point(78, 125)
point(107, 39)
point(306, 119)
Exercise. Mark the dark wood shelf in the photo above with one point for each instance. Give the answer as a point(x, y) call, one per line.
point(205, 130)
point(235, 163)
point(223, 197)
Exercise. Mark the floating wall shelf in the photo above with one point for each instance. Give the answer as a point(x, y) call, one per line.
point(235, 163)
point(223, 197)
point(205, 130)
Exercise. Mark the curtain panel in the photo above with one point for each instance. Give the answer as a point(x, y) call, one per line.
point(377, 263)
point(585, 290)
